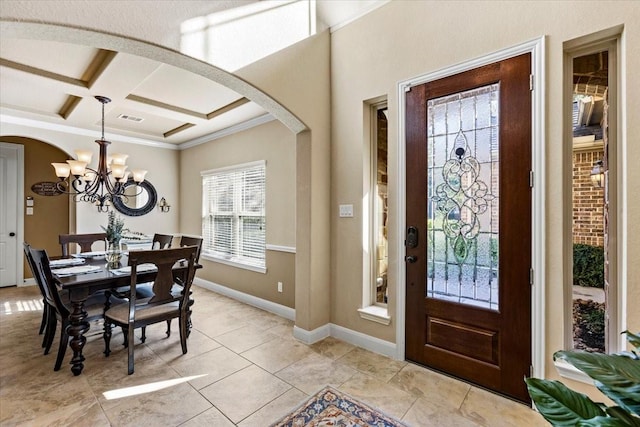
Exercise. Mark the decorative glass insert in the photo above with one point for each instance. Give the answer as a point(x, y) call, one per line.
point(462, 199)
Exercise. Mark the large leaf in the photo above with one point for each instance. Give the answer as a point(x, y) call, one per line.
point(623, 415)
point(560, 405)
point(616, 376)
point(603, 422)
point(633, 339)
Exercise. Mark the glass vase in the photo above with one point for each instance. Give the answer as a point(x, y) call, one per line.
point(113, 255)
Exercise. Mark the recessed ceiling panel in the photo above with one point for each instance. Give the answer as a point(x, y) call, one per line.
point(151, 125)
point(183, 89)
point(25, 92)
point(61, 58)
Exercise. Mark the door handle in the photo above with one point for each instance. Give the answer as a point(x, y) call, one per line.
point(412, 237)
point(410, 259)
point(12, 234)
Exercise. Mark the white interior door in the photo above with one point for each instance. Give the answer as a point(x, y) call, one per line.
point(9, 214)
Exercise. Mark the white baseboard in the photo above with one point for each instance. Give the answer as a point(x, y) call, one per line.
point(28, 282)
point(358, 339)
point(310, 337)
point(271, 307)
point(365, 341)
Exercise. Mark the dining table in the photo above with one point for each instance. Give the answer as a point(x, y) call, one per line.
point(81, 275)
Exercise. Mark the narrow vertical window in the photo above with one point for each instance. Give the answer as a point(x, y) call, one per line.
point(233, 221)
point(380, 206)
point(593, 287)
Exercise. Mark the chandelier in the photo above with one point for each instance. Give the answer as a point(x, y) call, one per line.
point(99, 186)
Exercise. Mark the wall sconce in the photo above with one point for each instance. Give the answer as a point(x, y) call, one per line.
point(597, 174)
point(163, 205)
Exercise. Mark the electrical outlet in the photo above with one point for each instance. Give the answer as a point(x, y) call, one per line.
point(279, 286)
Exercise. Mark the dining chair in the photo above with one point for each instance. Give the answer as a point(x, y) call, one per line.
point(163, 241)
point(85, 241)
point(45, 306)
point(162, 306)
point(192, 241)
point(59, 311)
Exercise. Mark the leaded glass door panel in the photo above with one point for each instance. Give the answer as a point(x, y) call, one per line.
point(468, 196)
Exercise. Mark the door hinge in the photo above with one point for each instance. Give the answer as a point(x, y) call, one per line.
point(531, 276)
point(530, 81)
point(531, 179)
point(530, 371)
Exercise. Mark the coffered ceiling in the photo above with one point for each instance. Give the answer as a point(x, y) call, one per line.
point(55, 83)
point(49, 83)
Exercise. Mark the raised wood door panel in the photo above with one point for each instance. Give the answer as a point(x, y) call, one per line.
point(468, 195)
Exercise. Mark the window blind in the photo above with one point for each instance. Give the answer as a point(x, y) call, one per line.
point(233, 222)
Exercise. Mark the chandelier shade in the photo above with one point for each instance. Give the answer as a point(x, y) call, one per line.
point(102, 185)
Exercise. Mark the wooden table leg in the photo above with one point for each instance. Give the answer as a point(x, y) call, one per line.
point(76, 331)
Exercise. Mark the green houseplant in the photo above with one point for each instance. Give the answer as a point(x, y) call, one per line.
point(615, 375)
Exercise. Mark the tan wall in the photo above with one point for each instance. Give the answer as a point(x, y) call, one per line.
point(406, 39)
point(50, 213)
point(276, 144)
point(299, 78)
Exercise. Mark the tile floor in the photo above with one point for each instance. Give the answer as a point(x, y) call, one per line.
point(246, 370)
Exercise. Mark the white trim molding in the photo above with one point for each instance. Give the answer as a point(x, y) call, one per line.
point(271, 307)
point(537, 49)
point(239, 127)
point(279, 248)
point(358, 339)
point(310, 337)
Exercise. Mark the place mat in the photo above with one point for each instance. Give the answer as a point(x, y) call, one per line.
point(95, 254)
point(141, 269)
point(81, 269)
point(57, 263)
point(330, 407)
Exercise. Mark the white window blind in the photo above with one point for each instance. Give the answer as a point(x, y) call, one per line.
point(233, 221)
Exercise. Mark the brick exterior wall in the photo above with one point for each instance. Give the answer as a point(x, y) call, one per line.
point(588, 200)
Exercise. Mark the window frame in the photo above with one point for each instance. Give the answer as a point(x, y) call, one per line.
point(607, 40)
point(371, 309)
point(236, 259)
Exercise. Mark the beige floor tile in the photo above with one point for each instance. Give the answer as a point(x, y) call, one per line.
point(376, 365)
point(276, 409)
point(252, 344)
point(169, 406)
point(216, 324)
point(170, 350)
point(489, 409)
point(424, 412)
point(277, 354)
point(241, 394)
point(209, 418)
point(215, 365)
point(314, 372)
point(437, 387)
point(332, 348)
point(378, 394)
point(245, 338)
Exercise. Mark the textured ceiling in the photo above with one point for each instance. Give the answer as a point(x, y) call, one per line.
point(54, 82)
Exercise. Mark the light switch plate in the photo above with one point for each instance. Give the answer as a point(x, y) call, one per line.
point(29, 211)
point(346, 211)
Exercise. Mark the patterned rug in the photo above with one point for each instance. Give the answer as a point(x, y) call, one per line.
point(330, 407)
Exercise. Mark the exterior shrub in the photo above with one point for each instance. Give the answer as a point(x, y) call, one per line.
point(588, 265)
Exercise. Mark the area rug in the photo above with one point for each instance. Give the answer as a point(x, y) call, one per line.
point(330, 407)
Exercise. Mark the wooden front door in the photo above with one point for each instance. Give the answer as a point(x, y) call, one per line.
point(468, 242)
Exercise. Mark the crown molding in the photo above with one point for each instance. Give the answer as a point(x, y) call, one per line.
point(248, 124)
point(56, 127)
